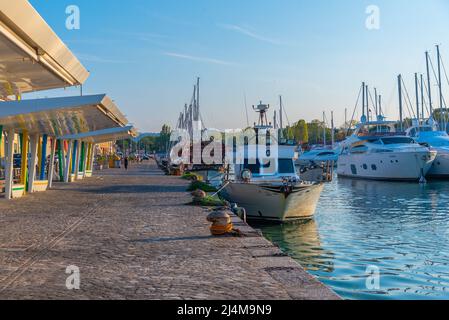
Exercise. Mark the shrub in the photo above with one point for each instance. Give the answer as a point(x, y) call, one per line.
point(195, 185)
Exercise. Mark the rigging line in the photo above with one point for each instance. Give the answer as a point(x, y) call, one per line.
point(409, 105)
point(434, 72)
point(353, 113)
point(372, 101)
point(424, 100)
point(246, 109)
point(286, 115)
point(444, 69)
point(391, 97)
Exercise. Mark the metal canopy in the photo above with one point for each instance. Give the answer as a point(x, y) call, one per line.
point(32, 56)
point(61, 116)
point(105, 135)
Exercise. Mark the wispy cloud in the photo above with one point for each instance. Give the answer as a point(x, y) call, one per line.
point(98, 59)
point(198, 59)
point(249, 33)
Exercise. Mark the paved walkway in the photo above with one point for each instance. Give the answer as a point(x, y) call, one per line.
point(132, 237)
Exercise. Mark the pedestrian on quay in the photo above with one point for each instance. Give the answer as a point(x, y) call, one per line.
point(126, 162)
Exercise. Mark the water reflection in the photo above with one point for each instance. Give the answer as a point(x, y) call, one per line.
point(402, 228)
point(302, 241)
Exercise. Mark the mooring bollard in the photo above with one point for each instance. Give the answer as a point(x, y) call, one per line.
point(221, 223)
point(198, 196)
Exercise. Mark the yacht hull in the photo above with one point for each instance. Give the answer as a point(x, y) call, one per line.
point(400, 166)
point(440, 167)
point(269, 202)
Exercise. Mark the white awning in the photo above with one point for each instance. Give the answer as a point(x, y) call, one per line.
point(32, 56)
point(61, 116)
point(106, 135)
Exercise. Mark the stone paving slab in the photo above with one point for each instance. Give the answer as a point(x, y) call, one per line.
point(132, 237)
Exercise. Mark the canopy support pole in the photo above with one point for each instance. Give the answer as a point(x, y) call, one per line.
point(67, 161)
point(61, 159)
point(92, 157)
point(51, 168)
point(85, 156)
point(34, 142)
point(44, 157)
point(9, 165)
point(77, 159)
point(24, 155)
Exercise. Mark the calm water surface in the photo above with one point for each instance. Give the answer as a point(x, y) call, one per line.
point(401, 228)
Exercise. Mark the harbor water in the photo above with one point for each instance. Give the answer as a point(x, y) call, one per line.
point(399, 231)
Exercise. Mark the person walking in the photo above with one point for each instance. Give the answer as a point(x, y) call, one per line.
point(126, 162)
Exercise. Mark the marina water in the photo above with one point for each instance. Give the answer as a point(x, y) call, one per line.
point(399, 229)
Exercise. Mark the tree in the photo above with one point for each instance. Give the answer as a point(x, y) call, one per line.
point(301, 132)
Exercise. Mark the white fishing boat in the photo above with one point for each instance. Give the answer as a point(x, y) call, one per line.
point(427, 133)
point(276, 195)
point(377, 151)
point(271, 189)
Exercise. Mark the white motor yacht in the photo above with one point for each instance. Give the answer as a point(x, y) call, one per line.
point(377, 151)
point(427, 133)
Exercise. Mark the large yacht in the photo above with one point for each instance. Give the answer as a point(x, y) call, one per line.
point(376, 150)
point(271, 190)
point(428, 133)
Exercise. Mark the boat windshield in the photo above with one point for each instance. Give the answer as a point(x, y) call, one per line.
point(286, 166)
point(397, 140)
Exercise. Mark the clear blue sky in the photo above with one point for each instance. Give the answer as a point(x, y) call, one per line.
point(146, 53)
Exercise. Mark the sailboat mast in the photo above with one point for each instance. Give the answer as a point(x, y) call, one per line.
point(332, 128)
point(376, 103)
point(198, 96)
point(429, 86)
point(443, 124)
point(324, 128)
point(417, 97)
point(367, 103)
point(363, 99)
point(400, 100)
point(380, 104)
point(346, 118)
point(281, 117)
point(422, 96)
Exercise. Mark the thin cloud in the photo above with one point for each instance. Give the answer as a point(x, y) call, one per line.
point(97, 59)
point(249, 33)
point(198, 59)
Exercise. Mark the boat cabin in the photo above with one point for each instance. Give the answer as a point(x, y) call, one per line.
point(272, 166)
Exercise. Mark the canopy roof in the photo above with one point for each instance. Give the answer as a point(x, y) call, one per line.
point(61, 116)
point(106, 135)
point(32, 56)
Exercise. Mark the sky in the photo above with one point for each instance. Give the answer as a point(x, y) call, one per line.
point(146, 54)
